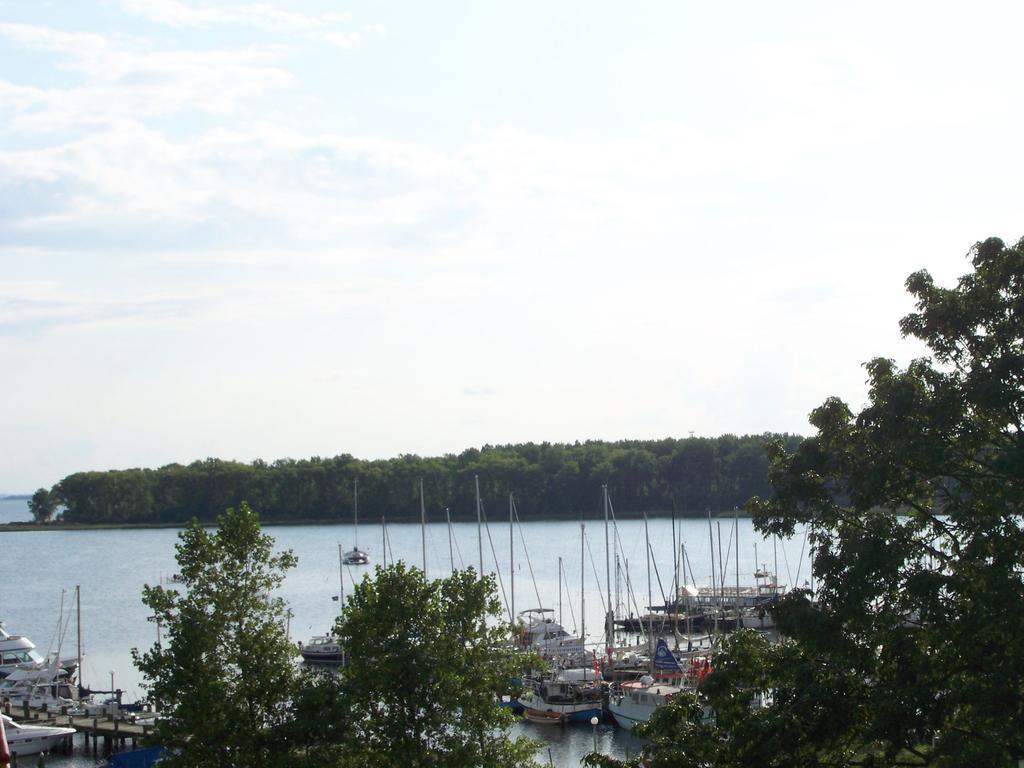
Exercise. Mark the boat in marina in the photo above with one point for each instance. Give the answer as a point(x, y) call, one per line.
point(19, 652)
point(24, 740)
point(634, 702)
point(573, 695)
point(543, 717)
point(48, 687)
point(323, 649)
point(545, 636)
point(355, 556)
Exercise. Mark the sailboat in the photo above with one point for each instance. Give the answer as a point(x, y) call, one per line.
point(326, 649)
point(355, 556)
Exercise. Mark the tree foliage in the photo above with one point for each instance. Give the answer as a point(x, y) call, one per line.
point(223, 673)
point(42, 505)
point(909, 653)
point(553, 480)
point(425, 663)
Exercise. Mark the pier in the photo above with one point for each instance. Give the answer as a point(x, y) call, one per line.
point(104, 734)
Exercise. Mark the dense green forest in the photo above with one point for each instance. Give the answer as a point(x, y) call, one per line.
point(548, 480)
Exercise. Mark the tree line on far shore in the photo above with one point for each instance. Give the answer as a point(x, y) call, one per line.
point(549, 480)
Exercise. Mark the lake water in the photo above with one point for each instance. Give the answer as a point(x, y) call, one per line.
point(42, 568)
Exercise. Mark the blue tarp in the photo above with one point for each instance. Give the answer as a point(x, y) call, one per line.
point(137, 758)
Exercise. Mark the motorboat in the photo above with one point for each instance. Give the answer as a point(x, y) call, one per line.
point(571, 695)
point(47, 688)
point(545, 636)
point(355, 556)
point(634, 702)
point(23, 740)
point(323, 649)
point(18, 652)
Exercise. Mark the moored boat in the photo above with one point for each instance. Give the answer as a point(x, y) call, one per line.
point(18, 652)
point(323, 649)
point(635, 702)
point(544, 717)
point(23, 740)
point(573, 695)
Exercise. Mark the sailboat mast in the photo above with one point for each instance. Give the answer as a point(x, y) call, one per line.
point(451, 555)
point(479, 529)
point(423, 529)
point(583, 613)
point(650, 599)
point(78, 612)
point(511, 560)
point(608, 576)
point(560, 592)
point(355, 512)
point(711, 547)
point(736, 524)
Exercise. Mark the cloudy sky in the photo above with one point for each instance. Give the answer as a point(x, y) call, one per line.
point(303, 227)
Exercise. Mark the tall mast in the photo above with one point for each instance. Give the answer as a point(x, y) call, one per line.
point(609, 616)
point(650, 600)
point(423, 529)
point(711, 547)
point(736, 524)
point(355, 512)
point(583, 613)
point(451, 555)
point(560, 592)
point(511, 560)
point(479, 529)
point(78, 611)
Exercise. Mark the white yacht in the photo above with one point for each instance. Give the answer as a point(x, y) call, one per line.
point(25, 740)
point(324, 649)
point(635, 702)
point(18, 652)
point(547, 637)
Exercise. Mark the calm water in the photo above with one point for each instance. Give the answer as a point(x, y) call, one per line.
point(41, 569)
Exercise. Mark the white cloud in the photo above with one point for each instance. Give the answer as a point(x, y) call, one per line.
point(260, 16)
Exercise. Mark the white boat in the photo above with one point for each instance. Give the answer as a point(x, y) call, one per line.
point(635, 702)
point(547, 637)
point(769, 590)
point(48, 687)
point(355, 556)
point(18, 652)
point(323, 649)
point(25, 740)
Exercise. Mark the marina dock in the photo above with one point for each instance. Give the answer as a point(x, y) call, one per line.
point(103, 734)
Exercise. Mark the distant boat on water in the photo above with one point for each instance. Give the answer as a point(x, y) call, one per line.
point(355, 556)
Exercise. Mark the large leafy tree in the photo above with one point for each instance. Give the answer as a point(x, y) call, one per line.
point(42, 505)
point(910, 651)
point(223, 673)
point(914, 507)
point(425, 662)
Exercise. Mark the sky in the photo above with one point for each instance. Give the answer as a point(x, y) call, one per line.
point(294, 228)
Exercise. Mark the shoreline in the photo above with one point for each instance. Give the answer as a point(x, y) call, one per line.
point(30, 527)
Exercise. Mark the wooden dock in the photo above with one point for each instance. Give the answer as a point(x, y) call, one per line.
point(116, 733)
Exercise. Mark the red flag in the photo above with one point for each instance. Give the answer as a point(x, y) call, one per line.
point(596, 668)
point(5, 752)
